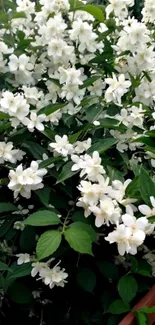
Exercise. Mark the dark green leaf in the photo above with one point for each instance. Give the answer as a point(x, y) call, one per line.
point(102, 145)
point(7, 207)
point(27, 240)
point(92, 112)
point(34, 149)
point(5, 226)
point(118, 307)
point(66, 172)
point(19, 271)
point(51, 108)
point(89, 81)
point(133, 189)
point(4, 267)
point(44, 195)
point(86, 279)
point(147, 186)
point(73, 138)
point(109, 270)
point(127, 288)
point(20, 293)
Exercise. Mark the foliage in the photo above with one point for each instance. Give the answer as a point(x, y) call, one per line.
point(77, 159)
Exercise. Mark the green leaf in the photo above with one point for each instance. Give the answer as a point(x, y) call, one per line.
point(127, 288)
point(19, 271)
point(95, 11)
point(4, 17)
point(148, 310)
point(109, 123)
point(86, 227)
point(51, 108)
point(147, 186)
point(79, 240)
point(102, 145)
point(86, 279)
point(5, 226)
point(4, 267)
point(118, 307)
point(152, 219)
point(109, 270)
point(92, 112)
point(48, 162)
point(134, 263)
point(114, 174)
point(20, 293)
point(44, 195)
point(89, 81)
point(42, 218)
point(142, 319)
point(144, 268)
point(48, 243)
point(73, 138)
point(75, 4)
point(133, 189)
point(20, 14)
point(112, 320)
point(27, 240)
point(7, 207)
point(34, 149)
point(66, 172)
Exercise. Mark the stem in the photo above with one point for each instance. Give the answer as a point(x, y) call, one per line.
point(65, 221)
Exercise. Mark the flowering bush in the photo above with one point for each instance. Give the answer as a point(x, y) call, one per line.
point(77, 159)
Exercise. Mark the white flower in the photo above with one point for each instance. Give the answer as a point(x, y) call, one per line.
point(16, 106)
point(136, 240)
point(23, 258)
point(50, 276)
point(62, 146)
point(25, 181)
point(91, 166)
point(37, 267)
point(146, 210)
point(117, 88)
point(19, 225)
point(35, 122)
point(90, 192)
point(121, 236)
point(117, 192)
point(81, 146)
point(96, 123)
point(106, 213)
point(7, 153)
point(21, 63)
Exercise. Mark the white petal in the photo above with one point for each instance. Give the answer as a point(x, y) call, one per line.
point(128, 220)
point(121, 249)
point(144, 209)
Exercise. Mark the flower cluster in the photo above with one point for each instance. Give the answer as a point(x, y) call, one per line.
point(50, 276)
point(77, 97)
point(23, 181)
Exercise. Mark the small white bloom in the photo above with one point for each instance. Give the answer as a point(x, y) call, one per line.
point(61, 146)
point(121, 236)
point(19, 225)
point(146, 210)
point(23, 258)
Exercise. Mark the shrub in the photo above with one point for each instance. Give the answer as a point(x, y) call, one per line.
point(77, 160)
